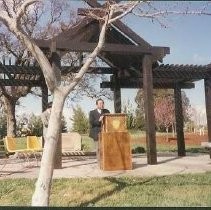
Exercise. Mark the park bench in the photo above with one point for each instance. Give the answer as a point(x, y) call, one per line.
point(11, 147)
point(206, 144)
point(34, 143)
point(71, 142)
point(2, 149)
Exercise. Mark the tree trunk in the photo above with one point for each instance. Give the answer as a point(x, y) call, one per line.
point(43, 184)
point(173, 130)
point(167, 133)
point(11, 121)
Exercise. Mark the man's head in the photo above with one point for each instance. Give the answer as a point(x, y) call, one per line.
point(100, 103)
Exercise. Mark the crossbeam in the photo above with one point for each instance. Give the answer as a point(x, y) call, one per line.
point(121, 26)
point(114, 48)
point(13, 69)
point(17, 82)
point(139, 84)
point(169, 72)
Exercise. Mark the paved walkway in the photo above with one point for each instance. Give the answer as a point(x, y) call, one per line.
point(86, 166)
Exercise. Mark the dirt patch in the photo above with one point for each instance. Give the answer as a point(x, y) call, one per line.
point(190, 139)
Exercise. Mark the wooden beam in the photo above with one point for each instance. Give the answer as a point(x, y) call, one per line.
point(66, 35)
point(182, 71)
point(66, 45)
point(13, 69)
point(19, 82)
point(139, 84)
point(93, 3)
point(179, 121)
point(122, 27)
point(44, 90)
point(149, 110)
point(117, 94)
point(128, 32)
point(99, 12)
point(56, 64)
point(175, 73)
point(91, 70)
point(207, 87)
point(43, 44)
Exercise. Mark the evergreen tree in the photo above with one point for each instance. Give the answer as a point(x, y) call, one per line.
point(64, 125)
point(80, 120)
point(128, 110)
point(3, 125)
point(35, 123)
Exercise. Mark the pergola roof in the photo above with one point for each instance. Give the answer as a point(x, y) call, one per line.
point(164, 76)
point(123, 52)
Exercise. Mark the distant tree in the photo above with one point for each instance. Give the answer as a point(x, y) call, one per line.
point(64, 125)
point(139, 120)
point(23, 125)
point(139, 112)
point(29, 124)
point(186, 106)
point(35, 125)
point(164, 112)
point(3, 125)
point(129, 111)
point(164, 108)
point(80, 120)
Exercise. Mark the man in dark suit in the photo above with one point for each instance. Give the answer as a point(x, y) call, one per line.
point(95, 119)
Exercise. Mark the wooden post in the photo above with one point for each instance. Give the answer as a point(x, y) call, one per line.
point(117, 95)
point(179, 121)
point(58, 156)
point(149, 110)
point(56, 63)
point(207, 88)
point(44, 90)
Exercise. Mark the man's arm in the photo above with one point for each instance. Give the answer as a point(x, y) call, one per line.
point(106, 111)
point(93, 121)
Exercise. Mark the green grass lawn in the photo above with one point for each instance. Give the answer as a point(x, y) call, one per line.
point(88, 144)
point(177, 190)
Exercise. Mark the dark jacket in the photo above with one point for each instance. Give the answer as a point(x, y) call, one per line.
point(95, 124)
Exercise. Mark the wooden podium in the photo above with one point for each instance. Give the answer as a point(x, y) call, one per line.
point(114, 144)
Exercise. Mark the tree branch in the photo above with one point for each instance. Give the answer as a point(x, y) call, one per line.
point(161, 13)
point(6, 8)
point(38, 54)
point(127, 11)
point(21, 11)
point(5, 18)
point(92, 56)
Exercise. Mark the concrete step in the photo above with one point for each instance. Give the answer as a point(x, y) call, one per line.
point(77, 153)
point(2, 154)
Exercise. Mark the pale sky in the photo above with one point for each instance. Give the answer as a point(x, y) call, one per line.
point(189, 40)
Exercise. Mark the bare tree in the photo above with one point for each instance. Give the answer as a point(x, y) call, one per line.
point(10, 99)
point(13, 21)
point(159, 12)
point(164, 112)
point(10, 46)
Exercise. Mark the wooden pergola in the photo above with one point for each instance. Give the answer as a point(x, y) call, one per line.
point(132, 63)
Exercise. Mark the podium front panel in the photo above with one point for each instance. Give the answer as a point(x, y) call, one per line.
point(114, 123)
point(115, 151)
